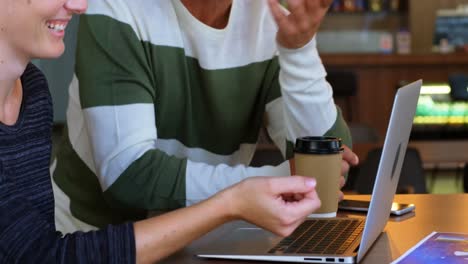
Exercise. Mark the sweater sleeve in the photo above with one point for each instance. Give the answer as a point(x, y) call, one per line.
point(27, 237)
point(306, 106)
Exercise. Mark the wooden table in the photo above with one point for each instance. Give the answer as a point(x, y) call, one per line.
point(443, 213)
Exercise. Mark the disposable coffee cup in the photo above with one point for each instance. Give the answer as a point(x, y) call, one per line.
point(320, 158)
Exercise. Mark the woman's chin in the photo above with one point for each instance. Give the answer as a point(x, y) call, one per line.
point(53, 52)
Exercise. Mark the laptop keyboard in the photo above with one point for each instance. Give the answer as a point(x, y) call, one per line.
point(321, 236)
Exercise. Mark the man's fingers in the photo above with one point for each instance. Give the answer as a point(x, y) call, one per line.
point(298, 10)
point(342, 181)
point(344, 167)
point(350, 156)
point(280, 17)
point(275, 9)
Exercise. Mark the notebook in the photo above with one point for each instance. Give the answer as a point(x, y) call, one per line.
point(438, 248)
point(333, 240)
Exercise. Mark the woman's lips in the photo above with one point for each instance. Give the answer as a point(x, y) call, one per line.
point(57, 26)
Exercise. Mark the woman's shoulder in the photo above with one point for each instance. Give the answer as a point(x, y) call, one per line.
point(36, 94)
point(33, 77)
point(32, 74)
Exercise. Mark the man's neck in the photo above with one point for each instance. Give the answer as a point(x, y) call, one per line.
point(214, 13)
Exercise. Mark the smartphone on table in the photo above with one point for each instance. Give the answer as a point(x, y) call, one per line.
point(363, 206)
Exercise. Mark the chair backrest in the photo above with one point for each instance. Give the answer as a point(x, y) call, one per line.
point(458, 86)
point(344, 85)
point(412, 179)
point(362, 133)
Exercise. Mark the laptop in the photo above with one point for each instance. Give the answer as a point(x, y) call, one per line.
point(332, 240)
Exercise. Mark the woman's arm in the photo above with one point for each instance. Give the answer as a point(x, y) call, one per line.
point(27, 237)
point(258, 200)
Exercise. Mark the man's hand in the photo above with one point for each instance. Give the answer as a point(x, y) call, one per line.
point(299, 27)
point(349, 159)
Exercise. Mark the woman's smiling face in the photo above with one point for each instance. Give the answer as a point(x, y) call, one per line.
point(35, 28)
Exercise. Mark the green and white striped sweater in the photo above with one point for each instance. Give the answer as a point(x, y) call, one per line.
point(165, 111)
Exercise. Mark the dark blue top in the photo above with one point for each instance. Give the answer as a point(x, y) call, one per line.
point(27, 227)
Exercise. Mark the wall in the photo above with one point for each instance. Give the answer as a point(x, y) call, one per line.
point(422, 19)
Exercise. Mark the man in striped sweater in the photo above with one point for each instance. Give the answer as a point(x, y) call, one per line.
point(168, 98)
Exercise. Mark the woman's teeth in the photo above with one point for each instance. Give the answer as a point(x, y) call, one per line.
point(56, 27)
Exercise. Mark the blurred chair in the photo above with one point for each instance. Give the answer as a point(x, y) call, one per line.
point(458, 86)
point(412, 179)
point(344, 85)
point(362, 133)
